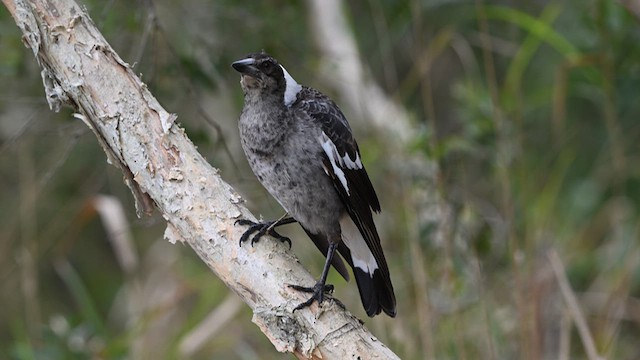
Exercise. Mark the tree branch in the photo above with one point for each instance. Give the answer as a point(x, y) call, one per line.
point(163, 168)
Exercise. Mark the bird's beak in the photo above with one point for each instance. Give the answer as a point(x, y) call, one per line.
point(246, 67)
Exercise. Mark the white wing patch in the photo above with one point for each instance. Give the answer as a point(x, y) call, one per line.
point(360, 253)
point(292, 90)
point(337, 162)
point(353, 165)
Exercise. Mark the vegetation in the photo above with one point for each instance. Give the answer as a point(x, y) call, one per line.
point(524, 145)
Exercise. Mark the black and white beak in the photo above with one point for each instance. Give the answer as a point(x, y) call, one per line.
point(246, 67)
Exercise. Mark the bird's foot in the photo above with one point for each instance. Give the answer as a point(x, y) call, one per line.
point(318, 292)
point(261, 228)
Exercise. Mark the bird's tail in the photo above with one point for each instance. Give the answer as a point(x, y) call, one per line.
point(370, 269)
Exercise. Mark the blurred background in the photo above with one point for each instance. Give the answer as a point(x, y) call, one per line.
point(501, 136)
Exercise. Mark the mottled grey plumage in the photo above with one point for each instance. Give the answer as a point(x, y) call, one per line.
point(300, 146)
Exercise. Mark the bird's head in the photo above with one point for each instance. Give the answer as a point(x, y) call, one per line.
point(262, 75)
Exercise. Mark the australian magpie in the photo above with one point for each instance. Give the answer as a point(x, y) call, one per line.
point(300, 147)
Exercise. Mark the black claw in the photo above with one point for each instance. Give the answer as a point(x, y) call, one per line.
point(244, 222)
point(318, 292)
point(279, 237)
point(260, 228)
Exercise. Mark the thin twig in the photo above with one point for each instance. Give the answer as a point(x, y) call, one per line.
point(574, 308)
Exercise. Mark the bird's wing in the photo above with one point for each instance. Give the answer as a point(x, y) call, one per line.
point(340, 147)
point(343, 164)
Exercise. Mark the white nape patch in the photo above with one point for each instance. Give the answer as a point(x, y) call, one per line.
point(361, 256)
point(330, 149)
point(292, 90)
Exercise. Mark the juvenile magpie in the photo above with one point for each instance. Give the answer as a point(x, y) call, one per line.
point(300, 147)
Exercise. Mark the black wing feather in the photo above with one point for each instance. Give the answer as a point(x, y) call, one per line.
point(359, 200)
point(335, 126)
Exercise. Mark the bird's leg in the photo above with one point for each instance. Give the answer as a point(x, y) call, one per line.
point(320, 288)
point(265, 227)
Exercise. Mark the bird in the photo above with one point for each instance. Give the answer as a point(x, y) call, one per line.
point(301, 148)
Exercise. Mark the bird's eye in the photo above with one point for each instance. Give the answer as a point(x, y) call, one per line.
point(267, 64)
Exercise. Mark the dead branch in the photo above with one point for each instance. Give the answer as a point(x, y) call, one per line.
point(573, 306)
